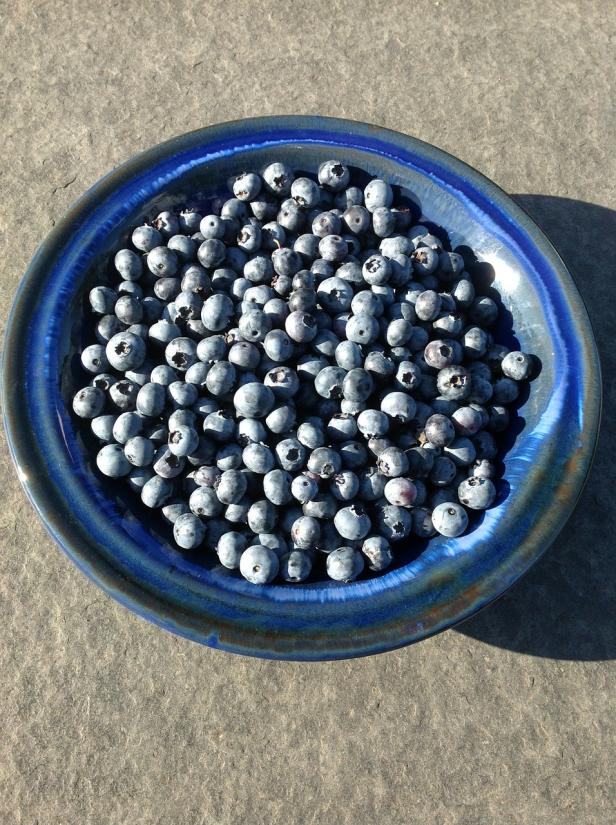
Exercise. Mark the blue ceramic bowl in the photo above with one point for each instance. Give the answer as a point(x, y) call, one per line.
point(126, 550)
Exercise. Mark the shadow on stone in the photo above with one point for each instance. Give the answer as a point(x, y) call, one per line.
point(565, 607)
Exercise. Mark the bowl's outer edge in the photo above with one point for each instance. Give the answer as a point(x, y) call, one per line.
point(132, 593)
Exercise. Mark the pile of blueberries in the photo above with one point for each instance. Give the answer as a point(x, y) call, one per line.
point(300, 375)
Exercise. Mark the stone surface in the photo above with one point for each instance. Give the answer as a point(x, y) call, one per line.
point(106, 719)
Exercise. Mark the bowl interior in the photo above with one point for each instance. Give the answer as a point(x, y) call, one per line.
point(431, 584)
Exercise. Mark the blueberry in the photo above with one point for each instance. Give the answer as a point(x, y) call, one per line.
point(341, 427)
point(182, 393)
point(348, 355)
point(277, 487)
point(258, 458)
point(301, 326)
point(356, 219)
point(259, 565)
point(295, 566)
point(353, 196)
point(498, 420)
point(230, 547)
point(420, 461)
point(102, 427)
point(219, 426)
point(273, 236)
point(367, 303)
point(450, 266)
point(335, 295)
point(345, 486)
point(183, 440)
point(305, 192)
point(305, 532)
point(156, 491)
point(262, 516)
point(334, 175)
point(204, 502)
point(124, 394)
point(477, 492)
point(344, 564)
point(185, 248)
point(231, 486)
point(127, 425)
point(516, 366)
point(310, 434)
point(439, 430)
point(333, 248)
point(250, 431)
point(467, 420)
point(362, 329)
point(89, 402)
point(307, 245)
point(94, 359)
point(449, 324)
point(291, 216)
point(217, 312)
point(112, 462)
point(326, 223)
point(450, 519)
point(378, 552)
point(278, 178)
point(247, 186)
point(408, 376)
point(393, 523)
point(102, 300)
point(379, 365)
point(439, 354)
point(188, 531)
point(290, 454)
point(181, 353)
point(401, 492)
point(277, 311)
point(480, 468)
point(378, 193)
point(392, 462)
point(324, 462)
point(125, 351)
point(304, 488)
point(383, 221)
point(506, 391)
point(398, 332)
point(454, 382)
point(372, 423)
point(475, 342)
point(428, 305)
point(146, 238)
point(138, 478)
point(162, 262)
point(422, 525)
point(462, 451)
point(483, 312)
point(274, 541)
point(166, 289)
point(399, 406)
point(166, 464)
point(357, 385)
point(371, 484)
point(443, 471)
point(329, 382)
point(212, 226)
point(481, 390)
point(395, 245)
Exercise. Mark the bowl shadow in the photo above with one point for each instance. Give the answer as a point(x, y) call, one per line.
point(565, 607)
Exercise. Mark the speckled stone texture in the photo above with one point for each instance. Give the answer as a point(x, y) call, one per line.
point(106, 720)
